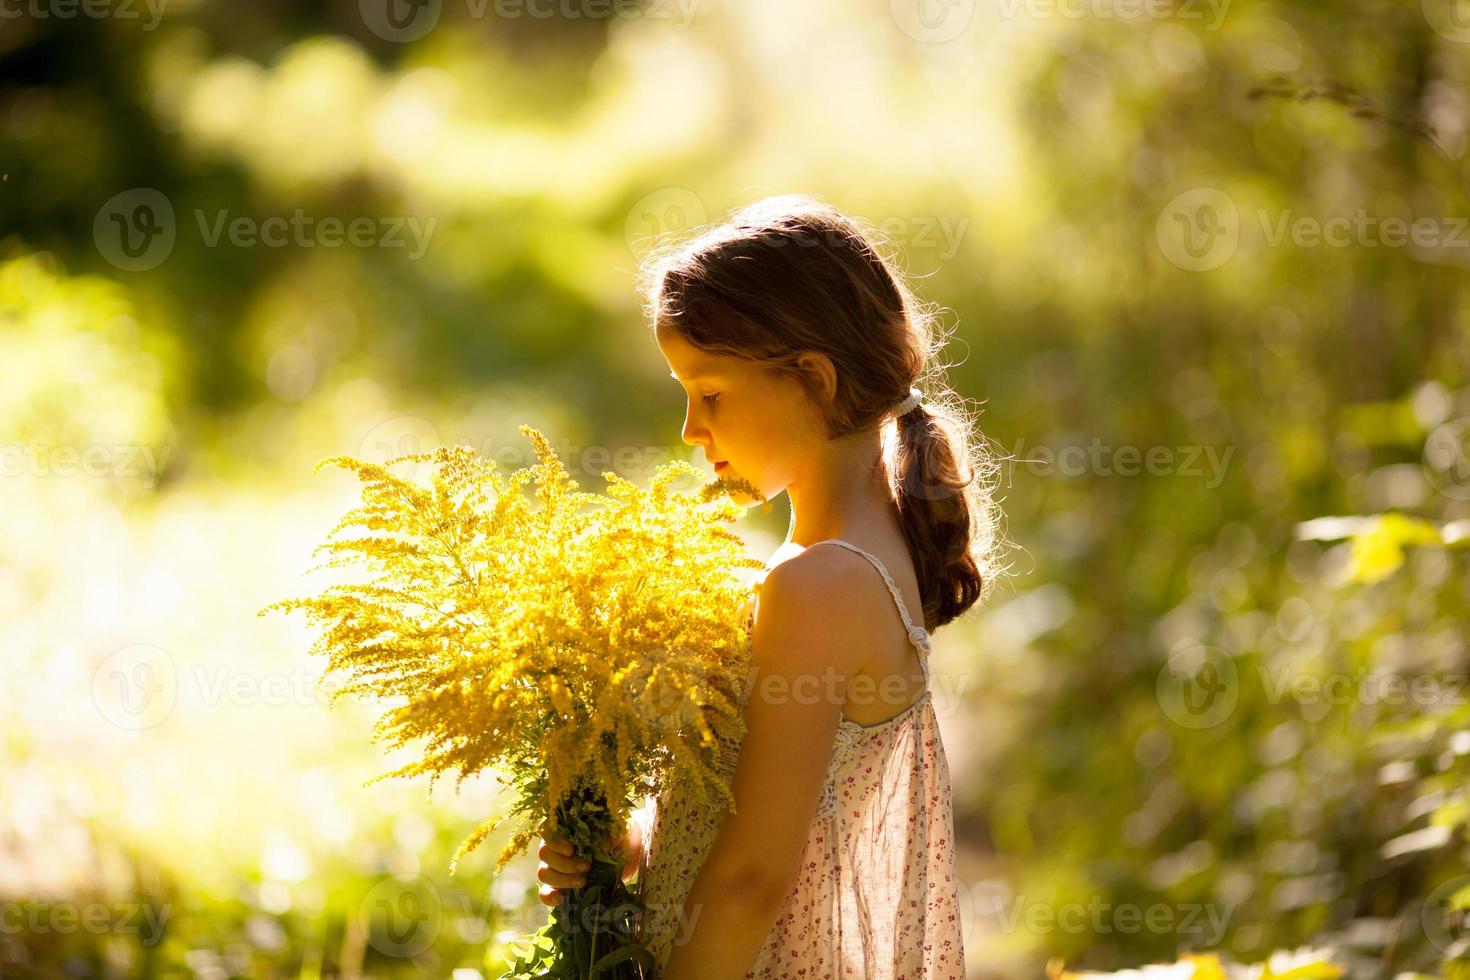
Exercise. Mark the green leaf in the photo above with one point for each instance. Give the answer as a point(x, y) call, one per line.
point(621, 955)
point(1307, 971)
point(1378, 545)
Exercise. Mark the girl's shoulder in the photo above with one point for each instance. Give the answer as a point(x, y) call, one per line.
point(824, 580)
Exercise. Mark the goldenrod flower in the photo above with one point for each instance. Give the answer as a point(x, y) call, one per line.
point(587, 646)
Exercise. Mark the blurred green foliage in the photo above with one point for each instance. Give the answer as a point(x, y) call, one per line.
point(1227, 684)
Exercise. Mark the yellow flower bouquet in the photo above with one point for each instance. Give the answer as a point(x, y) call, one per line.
point(589, 648)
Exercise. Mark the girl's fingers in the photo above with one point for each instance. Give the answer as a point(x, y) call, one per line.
point(561, 860)
point(561, 868)
point(559, 844)
point(569, 865)
point(559, 879)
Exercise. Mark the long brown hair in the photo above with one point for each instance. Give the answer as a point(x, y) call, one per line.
point(790, 274)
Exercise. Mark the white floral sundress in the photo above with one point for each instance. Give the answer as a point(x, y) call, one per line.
point(875, 894)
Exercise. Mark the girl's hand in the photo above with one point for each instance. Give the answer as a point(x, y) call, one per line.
point(561, 869)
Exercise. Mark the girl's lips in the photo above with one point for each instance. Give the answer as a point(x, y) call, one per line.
point(719, 466)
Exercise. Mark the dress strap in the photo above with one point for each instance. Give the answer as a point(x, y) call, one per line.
point(917, 634)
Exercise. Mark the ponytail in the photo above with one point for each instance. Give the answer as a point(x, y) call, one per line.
point(942, 489)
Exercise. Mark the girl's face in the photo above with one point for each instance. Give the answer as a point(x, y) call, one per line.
point(751, 424)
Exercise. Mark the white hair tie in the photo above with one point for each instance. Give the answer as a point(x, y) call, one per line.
point(913, 401)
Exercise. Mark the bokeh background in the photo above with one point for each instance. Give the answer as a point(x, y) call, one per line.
point(1205, 268)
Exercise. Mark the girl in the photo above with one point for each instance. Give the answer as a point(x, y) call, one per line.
point(799, 348)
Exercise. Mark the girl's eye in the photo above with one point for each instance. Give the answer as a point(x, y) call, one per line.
point(710, 399)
